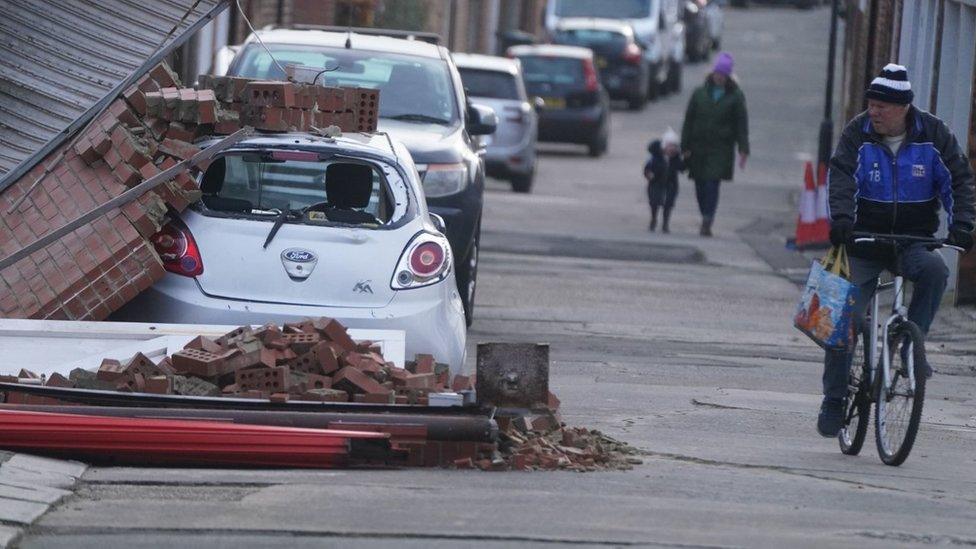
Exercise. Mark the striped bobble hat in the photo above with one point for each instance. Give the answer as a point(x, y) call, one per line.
point(891, 86)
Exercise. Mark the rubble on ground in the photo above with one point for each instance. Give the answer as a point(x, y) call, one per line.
point(316, 360)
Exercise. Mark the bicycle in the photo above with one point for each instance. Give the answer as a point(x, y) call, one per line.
point(894, 381)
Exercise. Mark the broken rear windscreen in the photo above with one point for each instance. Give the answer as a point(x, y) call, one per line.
point(301, 186)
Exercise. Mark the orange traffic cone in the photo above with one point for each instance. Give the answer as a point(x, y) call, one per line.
point(810, 229)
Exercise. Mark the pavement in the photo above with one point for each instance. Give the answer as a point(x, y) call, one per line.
point(679, 345)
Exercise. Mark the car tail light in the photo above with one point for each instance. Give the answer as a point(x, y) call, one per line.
point(177, 249)
point(589, 74)
point(632, 54)
point(425, 261)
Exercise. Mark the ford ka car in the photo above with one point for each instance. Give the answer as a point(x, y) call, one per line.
point(297, 225)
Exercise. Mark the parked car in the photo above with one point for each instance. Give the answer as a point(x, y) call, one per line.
point(698, 38)
point(497, 83)
point(577, 107)
point(617, 55)
point(422, 104)
point(296, 225)
point(657, 25)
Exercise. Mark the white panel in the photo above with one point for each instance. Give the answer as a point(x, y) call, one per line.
point(916, 48)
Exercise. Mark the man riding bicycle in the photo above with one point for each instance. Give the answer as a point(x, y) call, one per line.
point(893, 168)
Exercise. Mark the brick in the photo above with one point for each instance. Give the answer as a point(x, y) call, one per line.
point(353, 381)
point(136, 99)
point(58, 380)
point(301, 343)
point(164, 76)
point(279, 398)
point(110, 370)
point(270, 94)
point(417, 381)
point(552, 402)
point(201, 363)
point(315, 381)
point(461, 383)
point(206, 107)
point(202, 343)
point(159, 385)
point(271, 380)
point(422, 364)
point(181, 131)
point(178, 149)
point(334, 331)
point(326, 395)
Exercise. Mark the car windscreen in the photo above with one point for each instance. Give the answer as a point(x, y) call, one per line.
point(412, 88)
point(603, 41)
point(265, 183)
point(544, 74)
point(608, 9)
point(492, 84)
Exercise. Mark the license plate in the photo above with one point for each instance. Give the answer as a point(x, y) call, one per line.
point(601, 62)
point(554, 102)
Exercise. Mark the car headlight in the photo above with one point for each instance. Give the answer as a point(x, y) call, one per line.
point(445, 179)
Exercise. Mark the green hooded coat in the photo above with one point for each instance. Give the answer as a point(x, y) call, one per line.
point(712, 129)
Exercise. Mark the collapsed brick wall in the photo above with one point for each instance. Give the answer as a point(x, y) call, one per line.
point(96, 269)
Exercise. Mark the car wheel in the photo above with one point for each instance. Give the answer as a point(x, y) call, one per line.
point(674, 77)
point(522, 182)
point(653, 86)
point(636, 102)
point(598, 146)
point(467, 277)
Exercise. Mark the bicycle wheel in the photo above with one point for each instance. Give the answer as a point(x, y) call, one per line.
point(857, 403)
point(899, 408)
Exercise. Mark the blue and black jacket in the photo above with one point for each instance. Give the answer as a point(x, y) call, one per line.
point(882, 192)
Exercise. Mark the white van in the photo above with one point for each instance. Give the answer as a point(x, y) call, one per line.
point(657, 26)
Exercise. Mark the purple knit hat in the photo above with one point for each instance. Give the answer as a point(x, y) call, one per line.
point(723, 64)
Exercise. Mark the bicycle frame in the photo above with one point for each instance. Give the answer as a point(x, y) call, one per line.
point(899, 313)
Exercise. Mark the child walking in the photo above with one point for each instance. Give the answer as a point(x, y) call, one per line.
point(661, 171)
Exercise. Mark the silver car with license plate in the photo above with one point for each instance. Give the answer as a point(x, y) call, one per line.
point(297, 225)
point(496, 82)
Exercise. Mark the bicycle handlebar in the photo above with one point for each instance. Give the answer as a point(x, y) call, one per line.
point(860, 237)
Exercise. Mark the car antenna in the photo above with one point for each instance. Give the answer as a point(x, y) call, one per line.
point(349, 30)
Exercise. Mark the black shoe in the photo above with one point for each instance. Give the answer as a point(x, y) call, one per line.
point(831, 418)
point(653, 225)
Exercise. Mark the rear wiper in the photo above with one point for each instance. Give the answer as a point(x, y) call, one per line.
point(414, 117)
point(279, 221)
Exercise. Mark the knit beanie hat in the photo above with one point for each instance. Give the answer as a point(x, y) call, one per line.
point(670, 137)
point(723, 64)
point(891, 86)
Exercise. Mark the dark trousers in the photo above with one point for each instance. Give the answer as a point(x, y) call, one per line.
point(706, 191)
point(662, 194)
point(927, 271)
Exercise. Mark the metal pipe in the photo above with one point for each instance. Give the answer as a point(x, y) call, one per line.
point(827, 126)
point(442, 428)
point(115, 398)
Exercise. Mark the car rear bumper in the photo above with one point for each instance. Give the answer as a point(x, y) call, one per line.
point(624, 83)
point(432, 317)
point(570, 125)
point(503, 161)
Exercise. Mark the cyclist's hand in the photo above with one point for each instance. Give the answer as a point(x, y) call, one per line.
point(841, 231)
point(960, 238)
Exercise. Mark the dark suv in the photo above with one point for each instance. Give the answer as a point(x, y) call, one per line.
point(422, 104)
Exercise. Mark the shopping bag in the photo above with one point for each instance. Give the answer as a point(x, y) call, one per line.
point(826, 307)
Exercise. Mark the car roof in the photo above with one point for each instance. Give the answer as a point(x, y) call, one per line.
point(373, 144)
point(552, 50)
point(612, 25)
point(485, 62)
point(315, 37)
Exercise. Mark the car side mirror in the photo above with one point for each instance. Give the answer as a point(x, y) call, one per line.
point(538, 103)
point(438, 222)
point(482, 120)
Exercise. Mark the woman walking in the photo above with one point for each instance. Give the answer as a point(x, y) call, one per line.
point(715, 124)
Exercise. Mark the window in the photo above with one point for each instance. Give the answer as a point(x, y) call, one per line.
point(542, 72)
point(410, 87)
point(258, 183)
point(589, 38)
point(613, 9)
point(491, 84)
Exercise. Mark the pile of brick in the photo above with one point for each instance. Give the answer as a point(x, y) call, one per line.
point(542, 442)
point(93, 271)
point(313, 360)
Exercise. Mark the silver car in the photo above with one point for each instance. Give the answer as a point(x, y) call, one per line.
point(496, 82)
point(296, 225)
